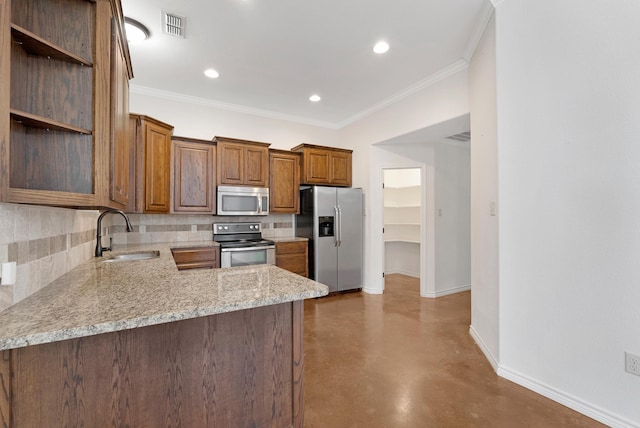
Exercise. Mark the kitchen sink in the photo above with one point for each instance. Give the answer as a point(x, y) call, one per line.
point(133, 257)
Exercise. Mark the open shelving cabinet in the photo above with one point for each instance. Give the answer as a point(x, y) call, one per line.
point(56, 105)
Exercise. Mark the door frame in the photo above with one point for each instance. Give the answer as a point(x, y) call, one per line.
point(376, 221)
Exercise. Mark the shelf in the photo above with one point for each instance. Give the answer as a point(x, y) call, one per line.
point(35, 121)
point(402, 224)
point(406, 241)
point(38, 46)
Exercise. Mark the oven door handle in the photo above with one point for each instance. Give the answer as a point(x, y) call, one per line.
point(233, 250)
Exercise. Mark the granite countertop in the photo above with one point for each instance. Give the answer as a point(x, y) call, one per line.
point(99, 297)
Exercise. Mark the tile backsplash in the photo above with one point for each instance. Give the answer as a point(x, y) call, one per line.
point(48, 242)
point(149, 228)
point(45, 243)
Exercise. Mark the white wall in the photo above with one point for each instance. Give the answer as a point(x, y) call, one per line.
point(403, 258)
point(194, 120)
point(452, 221)
point(445, 258)
point(405, 177)
point(484, 191)
point(569, 181)
point(387, 157)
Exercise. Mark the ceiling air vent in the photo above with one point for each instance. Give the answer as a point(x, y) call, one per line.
point(173, 24)
point(463, 136)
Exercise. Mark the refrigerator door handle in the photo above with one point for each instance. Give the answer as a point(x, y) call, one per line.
point(339, 226)
point(336, 231)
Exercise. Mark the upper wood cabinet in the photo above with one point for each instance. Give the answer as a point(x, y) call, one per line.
point(284, 182)
point(193, 176)
point(57, 122)
point(120, 141)
point(150, 165)
point(325, 165)
point(242, 162)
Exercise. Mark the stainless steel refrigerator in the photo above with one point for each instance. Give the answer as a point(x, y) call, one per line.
point(332, 219)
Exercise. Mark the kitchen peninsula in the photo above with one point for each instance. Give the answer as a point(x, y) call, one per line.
point(139, 343)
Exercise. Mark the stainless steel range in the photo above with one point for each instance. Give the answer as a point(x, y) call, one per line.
point(241, 244)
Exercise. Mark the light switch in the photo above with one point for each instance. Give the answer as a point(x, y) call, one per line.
point(492, 209)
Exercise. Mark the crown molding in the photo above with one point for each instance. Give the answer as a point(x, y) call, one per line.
point(481, 24)
point(174, 96)
point(440, 75)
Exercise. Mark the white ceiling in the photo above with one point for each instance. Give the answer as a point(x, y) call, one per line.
point(272, 55)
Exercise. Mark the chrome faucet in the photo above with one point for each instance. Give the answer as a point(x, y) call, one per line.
point(99, 247)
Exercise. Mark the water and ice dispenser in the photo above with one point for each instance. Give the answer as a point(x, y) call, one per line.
point(325, 226)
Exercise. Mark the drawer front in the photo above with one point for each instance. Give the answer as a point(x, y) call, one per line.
point(194, 255)
point(291, 247)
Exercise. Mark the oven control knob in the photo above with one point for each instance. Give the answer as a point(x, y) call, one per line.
point(226, 228)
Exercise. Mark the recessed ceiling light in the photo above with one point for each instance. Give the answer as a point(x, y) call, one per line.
point(135, 31)
point(314, 98)
point(210, 72)
point(381, 47)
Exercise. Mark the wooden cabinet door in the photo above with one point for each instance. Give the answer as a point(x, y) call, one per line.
point(284, 182)
point(317, 166)
point(340, 168)
point(293, 256)
point(193, 177)
point(231, 163)
point(120, 141)
point(157, 155)
point(256, 166)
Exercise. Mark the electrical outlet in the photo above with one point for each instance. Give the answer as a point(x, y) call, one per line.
point(632, 363)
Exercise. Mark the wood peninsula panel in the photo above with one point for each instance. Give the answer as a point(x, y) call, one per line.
point(242, 368)
point(5, 388)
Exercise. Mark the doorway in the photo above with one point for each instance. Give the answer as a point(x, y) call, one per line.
point(402, 216)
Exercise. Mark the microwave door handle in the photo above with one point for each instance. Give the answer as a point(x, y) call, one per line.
point(259, 204)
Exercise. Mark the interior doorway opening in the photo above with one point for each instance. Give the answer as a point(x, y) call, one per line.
point(402, 214)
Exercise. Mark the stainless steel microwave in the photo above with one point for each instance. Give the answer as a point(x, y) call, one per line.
point(236, 200)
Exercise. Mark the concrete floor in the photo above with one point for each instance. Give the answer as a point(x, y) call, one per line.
point(398, 360)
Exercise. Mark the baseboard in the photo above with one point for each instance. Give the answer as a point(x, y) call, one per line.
point(402, 272)
point(448, 291)
point(565, 399)
point(370, 290)
point(484, 348)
